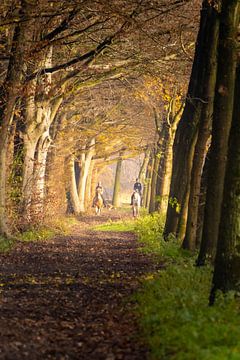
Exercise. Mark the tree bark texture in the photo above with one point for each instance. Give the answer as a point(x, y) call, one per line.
point(165, 167)
point(186, 134)
point(222, 118)
point(116, 190)
point(9, 94)
point(204, 131)
point(73, 187)
point(227, 265)
point(149, 182)
point(143, 169)
point(86, 158)
point(88, 193)
point(153, 200)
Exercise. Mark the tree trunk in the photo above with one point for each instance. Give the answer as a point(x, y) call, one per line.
point(37, 205)
point(73, 187)
point(39, 115)
point(227, 265)
point(85, 165)
point(116, 190)
point(201, 203)
point(8, 97)
point(149, 181)
point(153, 205)
point(185, 199)
point(222, 118)
point(95, 175)
point(210, 71)
point(88, 193)
point(143, 169)
point(165, 170)
point(186, 133)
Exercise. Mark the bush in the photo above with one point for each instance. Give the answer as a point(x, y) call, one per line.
point(173, 305)
point(6, 244)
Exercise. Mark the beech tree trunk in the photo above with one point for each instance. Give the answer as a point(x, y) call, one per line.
point(73, 187)
point(143, 169)
point(88, 193)
point(10, 91)
point(227, 265)
point(86, 159)
point(39, 115)
point(149, 181)
point(116, 190)
point(37, 205)
point(185, 138)
point(165, 168)
point(204, 131)
point(222, 118)
point(153, 205)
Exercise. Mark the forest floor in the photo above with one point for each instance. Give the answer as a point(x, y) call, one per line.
point(70, 297)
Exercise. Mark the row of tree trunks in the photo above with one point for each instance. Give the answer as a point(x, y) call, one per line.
point(186, 136)
point(204, 129)
point(162, 156)
point(227, 264)
point(80, 186)
point(222, 118)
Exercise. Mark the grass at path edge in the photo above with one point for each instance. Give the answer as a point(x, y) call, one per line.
point(172, 305)
point(44, 232)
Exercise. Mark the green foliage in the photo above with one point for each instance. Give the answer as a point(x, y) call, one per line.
point(6, 244)
point(173, 305)
point(149, 229)
point(63, 225)
point(122, 225)
point(37, 234)
point(59, 226)
point(175, 204)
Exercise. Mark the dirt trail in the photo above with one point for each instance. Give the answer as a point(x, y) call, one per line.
point(68, 298)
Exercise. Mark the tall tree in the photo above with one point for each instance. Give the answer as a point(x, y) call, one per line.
point(186, 136)
point(10, 91)
point(222, 118)
point(227, 265)
point(86, 158)
point(167, 135)
point(116, 190)
point(205, 123)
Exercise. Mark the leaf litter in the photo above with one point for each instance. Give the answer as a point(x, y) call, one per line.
point(70, 297)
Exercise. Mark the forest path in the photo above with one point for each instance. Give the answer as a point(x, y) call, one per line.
point(69, 297)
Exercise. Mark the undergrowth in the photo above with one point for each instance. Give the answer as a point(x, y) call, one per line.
point(173, 306)
point(6, 244)
point(49, 230)
point(44, 232)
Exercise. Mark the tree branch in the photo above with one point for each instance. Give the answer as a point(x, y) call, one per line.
point(88, 56)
